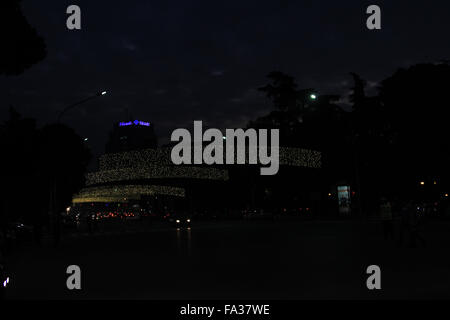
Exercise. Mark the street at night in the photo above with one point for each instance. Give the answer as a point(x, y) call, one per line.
point(213, 159)
point(238, 260)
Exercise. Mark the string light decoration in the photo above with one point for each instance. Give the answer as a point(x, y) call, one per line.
point(161, 157)
point(155, 172)
point(124, 193)
point(300, 157)
point(157, 164)
point(140, 158)
point(76, 200)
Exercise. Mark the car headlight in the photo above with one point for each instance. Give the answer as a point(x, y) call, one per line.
point(188, 220)
point(177, 221)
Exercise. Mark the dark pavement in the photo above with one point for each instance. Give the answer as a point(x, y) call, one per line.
point(238, 259)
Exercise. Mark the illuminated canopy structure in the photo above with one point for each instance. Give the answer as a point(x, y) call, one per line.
point(126, 176)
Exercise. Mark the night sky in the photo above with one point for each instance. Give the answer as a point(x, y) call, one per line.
point(172, 62)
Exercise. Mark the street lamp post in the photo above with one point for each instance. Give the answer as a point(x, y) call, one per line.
point(53, 200)
point(99, 94)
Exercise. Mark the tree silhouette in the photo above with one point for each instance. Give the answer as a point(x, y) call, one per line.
point(63, 157)
point(400, 136)
point(18, 169)
point(282, 90)
point(367, 136)
point(290, 105)
point(318, 124)
point(38, 161)
point(358, 95)
point(415, 104)
point(22, 47)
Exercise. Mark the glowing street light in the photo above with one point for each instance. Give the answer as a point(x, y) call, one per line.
point(101, 93)
point(422, 183)
point(312, 96)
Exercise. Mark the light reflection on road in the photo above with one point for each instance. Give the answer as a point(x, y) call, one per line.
point(184, 240)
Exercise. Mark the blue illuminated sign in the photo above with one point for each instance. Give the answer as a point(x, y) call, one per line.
point(135, 122)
